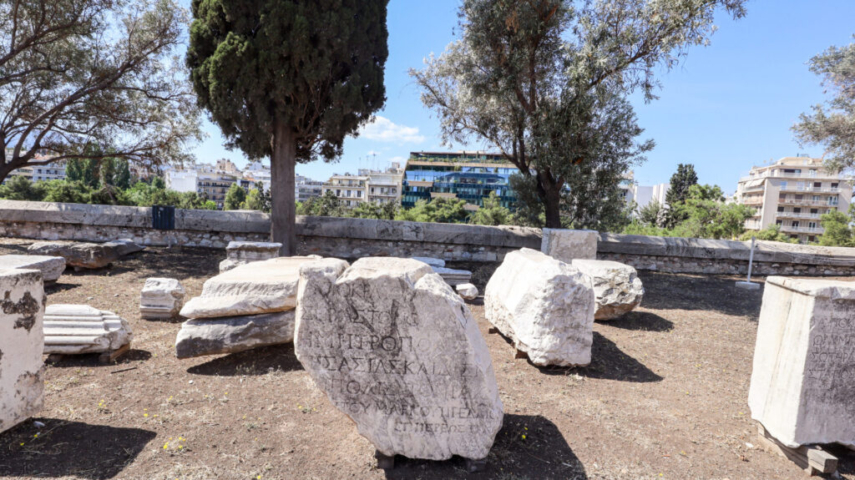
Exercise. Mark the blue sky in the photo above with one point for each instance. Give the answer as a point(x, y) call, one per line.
point(725, 108)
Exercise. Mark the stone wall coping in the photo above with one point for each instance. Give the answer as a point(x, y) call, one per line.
point(769, 252)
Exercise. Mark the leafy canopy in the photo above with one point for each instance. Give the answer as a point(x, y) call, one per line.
point(316, 67)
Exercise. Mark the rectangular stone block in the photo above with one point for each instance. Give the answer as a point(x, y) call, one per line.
point(567, 245)
point(803, 379)
point(21, 345)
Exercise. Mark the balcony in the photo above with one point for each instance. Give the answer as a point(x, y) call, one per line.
point(796, 188)
point(812, 230)
point(752, 201)
point(797, 215)
point(817, 176)
point(792, 201)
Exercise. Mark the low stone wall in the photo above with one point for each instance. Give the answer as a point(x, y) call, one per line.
point(354, 238)
point(692, 255)
point(328, 236)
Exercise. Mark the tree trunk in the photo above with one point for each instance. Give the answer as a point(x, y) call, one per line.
point(550, 194)
point(283, 212)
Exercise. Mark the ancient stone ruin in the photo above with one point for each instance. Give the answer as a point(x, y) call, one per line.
point(398, 351)
point(617, 287)
point(247, 307)
point(161, 299)
point(802, 384)
point(86, 255)
point(79, 329)
point(545, 306)
point(21, 345)
point(51, 267)
point(568, 245)
point(241, 253)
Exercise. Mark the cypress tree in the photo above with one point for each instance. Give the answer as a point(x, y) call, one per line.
point(288, 79)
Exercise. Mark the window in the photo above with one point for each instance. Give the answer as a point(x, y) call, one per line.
point(817, 184)
point(795, 224)
point(797, 210)
point(779, 223)
point(811, 239)
point(832, 200)
point(812, 225)
point(359, 193)
point(780, 209)
point(816, 198)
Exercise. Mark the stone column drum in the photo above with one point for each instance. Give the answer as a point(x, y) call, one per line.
point(803, 380)
point(399, 352)
point(568, 245)
point(21, 346)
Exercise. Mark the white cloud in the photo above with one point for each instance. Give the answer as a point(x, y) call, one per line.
point(384, 130)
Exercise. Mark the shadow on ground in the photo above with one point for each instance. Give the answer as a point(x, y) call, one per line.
point(608, 362)
point(180, 262)
point(92, 360)
point(645, 321)
point(252, 362)
point(527, 446)
point(70, 449)
point(665, 291)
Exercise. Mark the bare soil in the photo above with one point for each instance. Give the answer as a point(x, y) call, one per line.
point(665, 397)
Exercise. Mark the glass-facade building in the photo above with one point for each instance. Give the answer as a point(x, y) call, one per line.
point(469, 176)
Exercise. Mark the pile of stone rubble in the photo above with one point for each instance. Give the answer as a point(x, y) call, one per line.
point(247, 307)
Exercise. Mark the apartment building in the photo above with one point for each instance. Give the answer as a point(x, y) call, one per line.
point(385, 186)
point(793, 193)
point(351, 190)
point(469, 176)
point(306, 188)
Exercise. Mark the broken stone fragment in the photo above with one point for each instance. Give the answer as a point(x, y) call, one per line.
point(802, 387)
point(545, 306)
point(467, 291)
point(233, 334)
point(161, 298)
point(241, 253)
point(453, 277)
point(617, 286)
point(433, 262)
point(21, 346)
point(79, 329)
point(397, 350)
point(51, 267)
point(260, 287)
point(568, 245)
point(79, 255)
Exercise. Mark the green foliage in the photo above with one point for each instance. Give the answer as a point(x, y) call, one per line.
point(327, 205)
point(378, 211)
point(651, 214)
point(833, 125)
point(492, 213)
point(91, 172)
point(74, 73)
point(316, 67)
point(74, 170)
point(439, 210)
point(234, 197)
point(681, 182)
point(838, 233)
point(772, 233)
point(67, 192)
point(122, 177)
point(705, 216)
point(546, 83)
point(21, 188)
point(257, 199)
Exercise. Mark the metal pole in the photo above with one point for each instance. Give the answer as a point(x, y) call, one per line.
point(751, 258)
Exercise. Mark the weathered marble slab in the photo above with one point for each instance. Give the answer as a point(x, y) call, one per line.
point(467, 291)
point(161, 298)
point(51, 267)
point(234, 334)
point(545, 306)
point(258, 287)
point(124, 246)
point(21, 345)
point(79, 329)
point(803, 378)
point(433, 262)
point(241, 253)
point(78, 255)
point(453, 277)
point(567, 245)
point(617, 286)
point(398, 351)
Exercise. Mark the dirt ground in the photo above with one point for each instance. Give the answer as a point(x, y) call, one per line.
point(664, 398)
